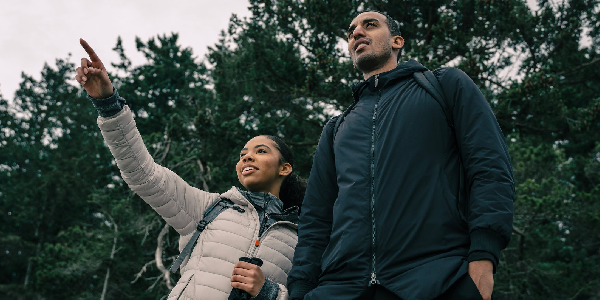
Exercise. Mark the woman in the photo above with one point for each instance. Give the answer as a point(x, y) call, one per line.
point(260, 228)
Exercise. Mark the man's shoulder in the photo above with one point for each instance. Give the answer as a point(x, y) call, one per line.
point(331, 125)
point(448, 73)
point(334, 119)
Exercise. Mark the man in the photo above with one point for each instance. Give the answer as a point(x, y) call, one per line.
point(380, 218)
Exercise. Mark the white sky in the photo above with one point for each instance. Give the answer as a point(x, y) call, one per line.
point(37, 31)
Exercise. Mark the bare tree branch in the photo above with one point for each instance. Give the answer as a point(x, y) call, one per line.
point(155, 282)
point(521, 247)
point(181, 163)
point(147, 228)
point(164, 156)
point(142, 271)
point(518, 231)
point(112, 255)
point(202, 177)
point(145, 268)
point(579, 67)
point(158, 256)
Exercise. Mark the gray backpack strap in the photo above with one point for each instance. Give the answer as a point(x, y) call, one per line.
point(220, 205)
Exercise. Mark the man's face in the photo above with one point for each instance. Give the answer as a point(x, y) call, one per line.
point(369, 41)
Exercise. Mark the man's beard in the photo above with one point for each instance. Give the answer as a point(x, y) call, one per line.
point(369, 62)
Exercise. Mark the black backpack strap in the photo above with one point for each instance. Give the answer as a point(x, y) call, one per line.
point(341, 118)
point(220, 205)
point(431, 84)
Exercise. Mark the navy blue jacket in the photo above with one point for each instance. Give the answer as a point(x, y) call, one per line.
point(381, 205)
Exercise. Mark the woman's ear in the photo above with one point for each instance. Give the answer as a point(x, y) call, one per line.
point(285, 169)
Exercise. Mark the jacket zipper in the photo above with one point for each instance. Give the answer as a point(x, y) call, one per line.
point(261, 227)
point(258, 240)
point(266, 216)
point(373, 269)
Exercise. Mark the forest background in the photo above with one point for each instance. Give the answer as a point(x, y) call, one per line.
point(71, 229)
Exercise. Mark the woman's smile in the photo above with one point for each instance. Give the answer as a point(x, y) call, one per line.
point(248, 169)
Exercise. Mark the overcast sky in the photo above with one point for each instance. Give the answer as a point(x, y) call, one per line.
point(38, 31)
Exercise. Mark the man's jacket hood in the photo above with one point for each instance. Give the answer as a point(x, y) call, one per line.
point(401, 72)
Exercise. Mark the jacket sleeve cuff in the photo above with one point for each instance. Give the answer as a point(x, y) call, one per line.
point(299, 288)
point(485, 244)
point(110, 106)
point(268, 291)
point(480, 255)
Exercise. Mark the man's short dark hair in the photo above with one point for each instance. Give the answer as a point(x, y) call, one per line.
point(393, 26)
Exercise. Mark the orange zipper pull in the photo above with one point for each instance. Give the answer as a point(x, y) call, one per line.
point(257, 243)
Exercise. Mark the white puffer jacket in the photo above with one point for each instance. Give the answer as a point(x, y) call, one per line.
point(206, 273)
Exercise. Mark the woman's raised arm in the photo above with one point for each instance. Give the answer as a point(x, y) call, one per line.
point(180, 204)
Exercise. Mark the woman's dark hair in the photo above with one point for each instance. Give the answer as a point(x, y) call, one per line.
point(293, 186)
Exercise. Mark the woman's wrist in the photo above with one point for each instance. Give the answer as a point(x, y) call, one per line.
point(268, 291)
point(109, 106)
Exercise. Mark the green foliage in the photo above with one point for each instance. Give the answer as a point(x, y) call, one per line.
point(285, 71)
point(75, 259)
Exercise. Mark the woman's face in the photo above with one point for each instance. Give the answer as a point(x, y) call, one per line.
point(259, 168)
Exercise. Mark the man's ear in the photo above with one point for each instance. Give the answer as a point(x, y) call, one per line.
point(285, 169)
point(397, 42)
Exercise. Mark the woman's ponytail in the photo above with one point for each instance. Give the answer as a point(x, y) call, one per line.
point(293, 187)
point(292, 191)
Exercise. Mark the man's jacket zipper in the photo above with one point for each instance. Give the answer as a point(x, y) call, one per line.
point(373, 270)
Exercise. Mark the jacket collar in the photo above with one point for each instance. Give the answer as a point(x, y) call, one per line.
point(380, 80)
point(291, 214)
point(275, 207)
point(267, 202)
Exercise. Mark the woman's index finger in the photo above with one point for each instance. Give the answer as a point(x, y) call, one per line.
point(93, 56)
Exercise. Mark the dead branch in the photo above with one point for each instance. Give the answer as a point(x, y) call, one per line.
point(148, 227)
point(145, 268)
point(518, 231)
point(520, 248)
point(164, 156)
point(202, 174)
point(112, 255)
point(155, 282)
point(578, 67)
point(181, 163)
point(158, 256)
point(142, 271)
